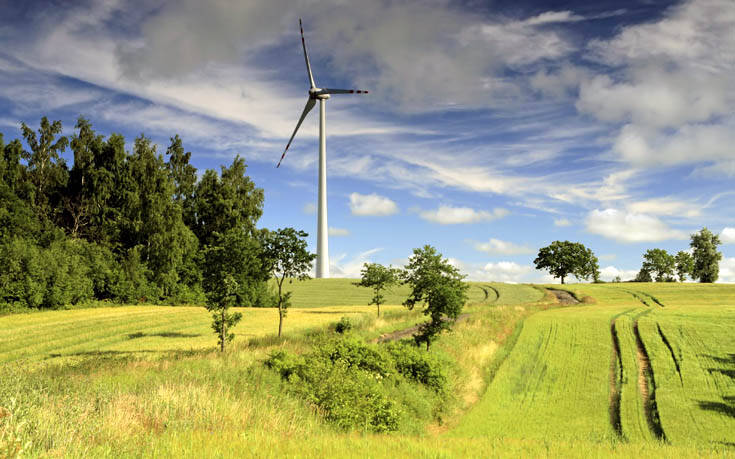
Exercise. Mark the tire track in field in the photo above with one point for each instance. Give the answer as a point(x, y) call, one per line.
point(497, 293)
point(647, 383)
point(653, 298)
point(638, 297)
point(671, 351)
point(616, 377)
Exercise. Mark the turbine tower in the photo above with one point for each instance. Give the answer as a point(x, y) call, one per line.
point(322, 95)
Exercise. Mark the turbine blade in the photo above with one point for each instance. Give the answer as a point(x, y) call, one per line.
point(342, 91)
point(309, 105)
point(306, 56)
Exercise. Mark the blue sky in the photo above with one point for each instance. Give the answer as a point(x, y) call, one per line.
point(490, 130)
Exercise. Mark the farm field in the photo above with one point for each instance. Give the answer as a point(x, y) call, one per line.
point(531, 378)
point(645, 363)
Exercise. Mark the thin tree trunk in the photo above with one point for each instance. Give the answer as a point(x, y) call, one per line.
point(562, 279)
point(223, 332)
point(378, 309)
point(280, 305)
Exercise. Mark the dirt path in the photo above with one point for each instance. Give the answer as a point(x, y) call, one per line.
point(564, 297)
point(407, 332)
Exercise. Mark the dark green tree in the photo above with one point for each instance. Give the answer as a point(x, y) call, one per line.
point(46, 168)
point(17, 217)
point(378, 278)
point(660, 264)
point(184, 176)
point(81, 199)
point(226, 202)
point(154, 221)
point(706, 257)
point(439, 286)
point(562, 258)
point(285, 256)
point(225, 260)
point(684, 265)
point(643, 275)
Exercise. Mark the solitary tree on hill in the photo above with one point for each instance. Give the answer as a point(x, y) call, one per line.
point(562, 258)
point(379, 278)
point(706, 257)
point(285, 257)
point(437, 284)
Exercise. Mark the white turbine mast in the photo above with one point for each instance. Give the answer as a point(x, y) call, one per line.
point(320, 94)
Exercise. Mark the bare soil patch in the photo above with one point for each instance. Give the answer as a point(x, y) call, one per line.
point(564, 297)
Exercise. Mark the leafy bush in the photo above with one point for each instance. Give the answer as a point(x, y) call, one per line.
point(418, 366)
point(365, 386)
point(343, 326)
point(355, 353)
point(344, 379)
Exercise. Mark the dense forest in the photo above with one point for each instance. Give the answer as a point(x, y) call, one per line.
point(117, 226)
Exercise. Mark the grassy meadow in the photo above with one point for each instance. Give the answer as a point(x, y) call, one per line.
point(528, 377)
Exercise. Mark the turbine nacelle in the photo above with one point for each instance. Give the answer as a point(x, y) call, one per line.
point(318, 93)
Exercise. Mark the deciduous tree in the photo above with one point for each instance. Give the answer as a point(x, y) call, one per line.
point(562, 258)
point(706, 257)
point(660, 264)
point(285, 257)
point(439, 286)
point(378, 278)
point(684, 265)
point(225, 260)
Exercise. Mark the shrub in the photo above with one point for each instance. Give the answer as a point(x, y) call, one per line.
point(418, 366)
point(356, 353)
point(344, 379)
point(344, 325)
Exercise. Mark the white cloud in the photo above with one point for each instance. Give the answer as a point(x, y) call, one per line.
point(608, 273)
point(727, 270)
point(630, 227)
point(448, 215)
point(607, 257)
point(340, 266)
point(338, 231)
point(371, 205)
point(672, 86)
point(562, 222)
point(498, 247)
point(506, 271)
point(727, 236)
point(691, 143)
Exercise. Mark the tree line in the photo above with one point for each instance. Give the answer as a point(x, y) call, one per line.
point(701, 262)
point(119, 226)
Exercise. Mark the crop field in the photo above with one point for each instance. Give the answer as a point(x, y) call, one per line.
point(645, 362)
point(635, 370)
point(144, 329)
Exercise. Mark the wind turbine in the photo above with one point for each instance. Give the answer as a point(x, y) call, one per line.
point(322, 95)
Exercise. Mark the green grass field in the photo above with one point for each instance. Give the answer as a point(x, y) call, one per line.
point(530, 377)
point(558, 383)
